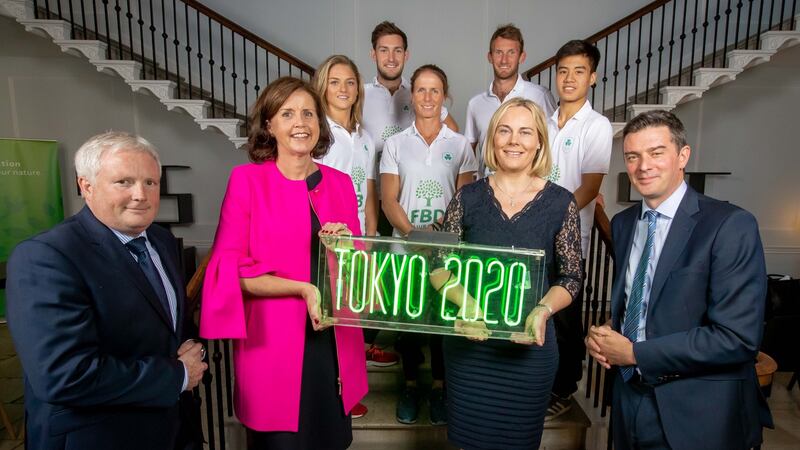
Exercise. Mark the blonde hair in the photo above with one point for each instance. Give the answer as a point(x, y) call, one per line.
point(540, 166)
point(320, 84)
point(89, 157)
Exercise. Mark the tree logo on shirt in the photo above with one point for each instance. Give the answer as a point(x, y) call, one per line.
point(429, 190)
point(358, 176)
point(390, 131)
point(555, 174)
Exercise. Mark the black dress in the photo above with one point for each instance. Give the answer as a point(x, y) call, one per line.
point(498, 391)
point(322, 423)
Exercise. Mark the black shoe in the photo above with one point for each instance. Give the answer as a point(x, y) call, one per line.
point(408, 406)
point(438, 407)
point(558, 407)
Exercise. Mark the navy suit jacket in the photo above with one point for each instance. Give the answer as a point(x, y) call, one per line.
point(98, 351)
point(704, 324)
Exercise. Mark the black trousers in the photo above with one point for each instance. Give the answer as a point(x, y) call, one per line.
point(571, 350)
point(409, 346)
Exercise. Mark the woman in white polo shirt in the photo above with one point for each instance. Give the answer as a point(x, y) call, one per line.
point(339, 85)
point(422, 167)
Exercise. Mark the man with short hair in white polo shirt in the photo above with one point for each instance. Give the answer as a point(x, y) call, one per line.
point(580, 147)
point(506, 53)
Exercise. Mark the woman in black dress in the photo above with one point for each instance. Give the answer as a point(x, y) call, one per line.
point(498, 391)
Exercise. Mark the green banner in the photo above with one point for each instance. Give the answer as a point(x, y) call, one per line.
point(30, 195)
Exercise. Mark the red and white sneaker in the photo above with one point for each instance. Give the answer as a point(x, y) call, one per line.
point(358, 411)
point(380, 358)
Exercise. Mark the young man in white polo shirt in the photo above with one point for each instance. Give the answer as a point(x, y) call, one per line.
point(580, 146)
point(506, 53)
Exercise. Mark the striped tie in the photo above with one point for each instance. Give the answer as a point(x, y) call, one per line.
point(630, 328)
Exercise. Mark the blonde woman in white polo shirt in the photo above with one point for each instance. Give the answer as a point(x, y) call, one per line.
point(422, 167)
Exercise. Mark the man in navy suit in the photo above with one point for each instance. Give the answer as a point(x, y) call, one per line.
point(95, 309)
point(687, 306)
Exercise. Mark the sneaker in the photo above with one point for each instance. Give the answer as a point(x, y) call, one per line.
point(408, 406)
point(438, 407)
point(380, 358)
point(358, 411)
point(558, 407)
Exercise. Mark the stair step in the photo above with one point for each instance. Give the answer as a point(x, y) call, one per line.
point(675, 95)
point(53, 29)
point(18, 9)
point(238, 142)
point(779, 40)
point(128, 70)
point(228, 127)
point(162, 89)
point(90, 49)
point(709, 77)
point(616, 128)
point(195, 108)
point(745, 59)
point(635, 110)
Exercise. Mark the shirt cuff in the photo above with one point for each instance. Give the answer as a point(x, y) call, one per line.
point(185, 376)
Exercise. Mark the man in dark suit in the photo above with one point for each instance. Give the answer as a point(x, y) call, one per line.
point(687, 306)
point(95, 309)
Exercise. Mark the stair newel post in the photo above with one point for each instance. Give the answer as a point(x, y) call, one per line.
point(245, 82)
point(627, 70)
point(188, 47)
point(705, 35)
point(234, 75)
point(153, 42)
point(211, 69)
point(682, 37)
point(164, 37)
point(739, 5)
point(117, 10)
point(176, 42)
point(108, 29)
point(667, 82)
point(714, 47)
point(758, 30)
point(694, 42)
point(638, 64)
point(222, 69)
point(649, 58)
point(728, 12)
point(218, 387)
point(129, 16)
point(615, 73)
point(749, 17)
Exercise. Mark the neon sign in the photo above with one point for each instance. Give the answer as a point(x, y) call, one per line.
point(393, 284)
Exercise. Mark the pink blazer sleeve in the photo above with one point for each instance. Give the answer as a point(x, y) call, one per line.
point(222, 312)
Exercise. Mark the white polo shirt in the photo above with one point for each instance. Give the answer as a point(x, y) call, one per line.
point(354, 154)
point(482, 106)
point(385, 114)
point(582, 146)
point(428, 175)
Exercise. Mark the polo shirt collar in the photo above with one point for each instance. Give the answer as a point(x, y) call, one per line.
point(517, 88)
point(668, 207)
point(333, 124)
point(404, 83)
point(444, 133)
point(582, 113)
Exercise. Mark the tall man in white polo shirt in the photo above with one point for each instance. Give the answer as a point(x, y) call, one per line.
point(580, 146)
point(506, 53)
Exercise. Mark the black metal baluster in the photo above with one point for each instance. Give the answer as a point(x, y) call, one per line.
point(35, 9)
point(228, 379)
point(129, 16)
point(728, 11)
point(780, 20)
point(177, 44)
point(550, 78)
point(218, 386)
point(140, 21)
point(714, 48)
point(758, 30)
point(153, 42)
point(615, 74)
point(234, 75)
point(164, 37)
point(660, 54)
point(279, 65)
point(83, 20)
point(705, 35)
point(605, 78)
point(46, 9)
point(117, 10)
point(108, 31)
point(597, 320)
point(638, 63)
point(208, 377)
point(671, 45)
point(694, 41)
point(539, 80)
point(266, 58)
point(771, 14)
point(188, 48)
point(649, 58)
point(794, 10)
point(94, 14)
point(200, 58)
point(682, 38)
point(749, 17)
point(222, 69)
point(211, 68)
point(245, 82)
point(71, 21)
point(627, 70)
point(738, 21)
point(590, 312)
point(61, 17)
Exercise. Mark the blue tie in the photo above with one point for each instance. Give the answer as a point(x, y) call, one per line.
point(633, 311)
point(139, 248)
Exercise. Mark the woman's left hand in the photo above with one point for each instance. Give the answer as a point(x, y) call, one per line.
point(535, 326)
point(330, 231)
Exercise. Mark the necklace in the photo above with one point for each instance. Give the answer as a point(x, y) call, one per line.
point(511, 197)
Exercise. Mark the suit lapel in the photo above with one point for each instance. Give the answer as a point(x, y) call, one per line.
point(679, 233)
point(172, 273)
point(117, 256)
point(623, 245)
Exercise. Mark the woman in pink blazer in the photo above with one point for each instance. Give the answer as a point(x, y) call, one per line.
point(293, 379)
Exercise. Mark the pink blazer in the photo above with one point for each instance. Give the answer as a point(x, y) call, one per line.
point(265, 228)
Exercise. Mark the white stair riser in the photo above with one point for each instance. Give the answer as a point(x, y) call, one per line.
point(54, 29)
point(708, 78)
point(228, 127)
point(675, 95)
point(159, 88)
point(777, 40)
point(745, 59)
point(195, 108)
point(88, 49)
point(128, 70)
point(18, 9)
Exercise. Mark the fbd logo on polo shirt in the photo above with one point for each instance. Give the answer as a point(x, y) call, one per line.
point(568, 143)
point(390, 131)
point(359, 176)
point(427, 190)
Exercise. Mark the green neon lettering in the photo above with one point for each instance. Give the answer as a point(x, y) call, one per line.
point(340, 254)
point(423, 284)
point(358, 272)
point(453, 281)
point(517, 299)
point(492, 288)
point(377, 272)
point(397, 275)
point(478, 286)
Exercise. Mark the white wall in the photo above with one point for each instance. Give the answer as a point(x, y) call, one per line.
point(453, 34)
point(749, 128)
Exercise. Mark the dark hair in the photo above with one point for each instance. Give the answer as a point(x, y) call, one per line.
point(658, 118)
point(261, 145)
point(508, 31)
point(582, 48)
point(436, 71)
point(387, 28)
